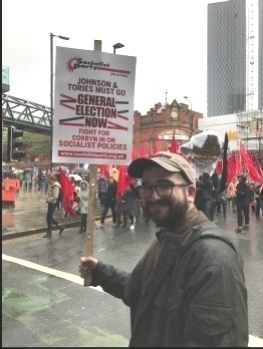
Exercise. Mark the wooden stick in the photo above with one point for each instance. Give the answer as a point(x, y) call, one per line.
point(92, 196)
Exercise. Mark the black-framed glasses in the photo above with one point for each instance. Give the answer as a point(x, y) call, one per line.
point(163, 190)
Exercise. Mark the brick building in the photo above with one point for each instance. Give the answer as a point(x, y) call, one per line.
point(154, 131)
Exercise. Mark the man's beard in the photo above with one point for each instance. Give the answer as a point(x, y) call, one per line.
point(175, 214)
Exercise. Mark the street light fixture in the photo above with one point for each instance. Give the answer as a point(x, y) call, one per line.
point(51, 88)
point(116, 46)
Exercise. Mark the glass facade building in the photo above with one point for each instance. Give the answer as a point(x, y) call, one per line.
point(230, 70)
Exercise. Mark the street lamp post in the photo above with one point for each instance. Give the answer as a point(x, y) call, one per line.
point(51, 88)
point(191, 115)
point(116, 46)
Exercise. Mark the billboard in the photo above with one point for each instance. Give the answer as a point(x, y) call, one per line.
point(93, 108)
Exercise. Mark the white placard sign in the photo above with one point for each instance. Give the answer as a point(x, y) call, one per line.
point(93, 113)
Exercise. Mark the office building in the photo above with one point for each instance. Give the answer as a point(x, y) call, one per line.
point(234, 57)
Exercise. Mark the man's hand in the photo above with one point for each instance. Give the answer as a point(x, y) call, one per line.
point(87, 264)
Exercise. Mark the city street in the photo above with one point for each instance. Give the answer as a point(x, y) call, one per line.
point(46, 304)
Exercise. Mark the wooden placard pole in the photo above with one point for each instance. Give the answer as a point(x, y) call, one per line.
point(92, 196)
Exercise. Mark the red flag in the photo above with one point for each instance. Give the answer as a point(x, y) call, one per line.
point(252, 171)
point(105, 170)
point(67, 193)
point(174, 145)
point(219, 167)
point(231, 169)
point(238, 163)
point(123, 181)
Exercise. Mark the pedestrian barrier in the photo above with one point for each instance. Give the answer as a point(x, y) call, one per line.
point(9, 189)
point(12, 182)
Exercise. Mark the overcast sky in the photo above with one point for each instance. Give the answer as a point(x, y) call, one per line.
point(168, 37)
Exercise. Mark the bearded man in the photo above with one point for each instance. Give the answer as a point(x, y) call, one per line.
point(189, 288)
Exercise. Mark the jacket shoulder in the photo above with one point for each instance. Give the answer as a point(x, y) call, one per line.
point(210, 240)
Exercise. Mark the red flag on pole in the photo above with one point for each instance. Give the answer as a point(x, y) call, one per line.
point(252, 171)
point(123, 181)
point(105, 170)
point(174, 145)
point(238, 163)
point(67, 193)
point(231, 168)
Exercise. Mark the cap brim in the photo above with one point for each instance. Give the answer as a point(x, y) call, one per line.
point(137, 167)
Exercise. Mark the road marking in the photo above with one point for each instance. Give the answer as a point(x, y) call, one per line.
point(50, 271)
point(253, 341)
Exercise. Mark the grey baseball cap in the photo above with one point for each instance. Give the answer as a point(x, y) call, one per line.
point(168, 161)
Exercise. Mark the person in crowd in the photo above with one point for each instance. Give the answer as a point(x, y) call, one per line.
point(121, 210)
point(189, 289)
point(40, 179)
point(51, 200)
point(222, 201)
point(231, 193)
point(28, 180)
point(257, 188)
point(110, 201)
point(133, 203)
point(102, 189)
point(59, 200)
point(82, 198)
point(21, 178)
point(252, 196)
point(198, 195)
point(206, 187)
point(243, 202)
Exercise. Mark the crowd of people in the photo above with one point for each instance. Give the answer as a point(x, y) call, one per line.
point(240, 195)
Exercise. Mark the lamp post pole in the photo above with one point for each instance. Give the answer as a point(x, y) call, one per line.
point(116, 46)
point(191, 116)
point(51, 90)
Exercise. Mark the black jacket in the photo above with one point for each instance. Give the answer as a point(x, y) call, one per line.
point(196, 295)
point(110, 197)
point(243, 194)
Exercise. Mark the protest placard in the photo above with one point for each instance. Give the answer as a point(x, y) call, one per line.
point(93, 114)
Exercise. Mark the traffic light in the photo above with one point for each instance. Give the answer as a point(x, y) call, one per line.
point(14, 142)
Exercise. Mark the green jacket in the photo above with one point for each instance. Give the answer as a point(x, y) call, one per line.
point(195, 296)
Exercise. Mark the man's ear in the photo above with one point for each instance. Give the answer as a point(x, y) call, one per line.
point(191, 192)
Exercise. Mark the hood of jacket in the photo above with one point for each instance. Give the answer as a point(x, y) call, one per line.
point(85, 182)
point(56, 183)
